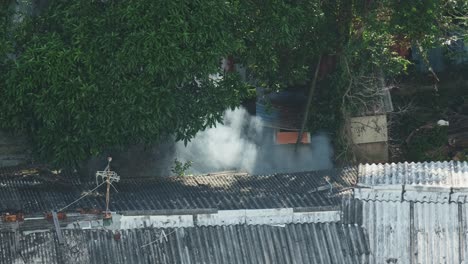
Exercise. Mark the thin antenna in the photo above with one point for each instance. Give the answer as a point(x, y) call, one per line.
point(108, 176)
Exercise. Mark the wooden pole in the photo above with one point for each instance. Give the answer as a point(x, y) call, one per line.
point(108, 181)
point(108, 192)
point(309, 102)
point(57, 227)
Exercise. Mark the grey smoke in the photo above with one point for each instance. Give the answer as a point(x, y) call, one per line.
point(242, 143)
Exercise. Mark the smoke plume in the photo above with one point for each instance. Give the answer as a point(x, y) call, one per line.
point(242, 143)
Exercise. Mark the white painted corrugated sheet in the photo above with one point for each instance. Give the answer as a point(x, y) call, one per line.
point(409, 233)
point(388, 226)
point(425, 194)
point(464, 233)
point(415, 193)
point(374, 194)
point(447, 173)
point(435, 233)
point(267, 216)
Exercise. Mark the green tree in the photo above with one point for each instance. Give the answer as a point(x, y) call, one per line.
point(284, 38)
point(359, 42)
point(5, 43)
point(96, 74)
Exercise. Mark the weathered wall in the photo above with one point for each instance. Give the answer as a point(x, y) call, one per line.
point(376, 152)
point(369, 129)
point(370, 136)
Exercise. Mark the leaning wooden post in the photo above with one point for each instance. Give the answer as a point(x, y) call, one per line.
point(57, 228)
point(309, 102)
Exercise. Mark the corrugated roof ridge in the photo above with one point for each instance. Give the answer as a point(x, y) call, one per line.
point(389, 200)
point(11, 171)
point(414, 162)
point(428, 173)
point(326, 223)
point(236, 176)
point(142, 229)
point(304, 189)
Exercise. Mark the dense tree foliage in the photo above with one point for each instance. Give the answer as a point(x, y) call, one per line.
point(5, 44)
point(95, 74)
point(361, 43)
point(284, 38)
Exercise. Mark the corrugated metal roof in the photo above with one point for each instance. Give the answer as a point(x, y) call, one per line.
point(412, 232)
point(413, 212)
point(447, 173)
point(293, 243)
point(396, 223)
point(287, 190)
point(413, 193)
point(389, 234)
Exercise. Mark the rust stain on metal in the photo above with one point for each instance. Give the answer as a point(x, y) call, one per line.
point(60, 216)
point(93, 211)
point(7, 217)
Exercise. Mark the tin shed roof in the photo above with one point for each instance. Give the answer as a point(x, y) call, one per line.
point(413, 212)
point(438, 182)
point(33, 194)
point(446, 173)
point(291, 243)
point(405, 232)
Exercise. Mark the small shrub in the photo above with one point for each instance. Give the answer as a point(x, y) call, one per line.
point(180, 168)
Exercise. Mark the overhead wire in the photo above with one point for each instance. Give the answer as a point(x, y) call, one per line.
point(162, 236)
point(83, 196)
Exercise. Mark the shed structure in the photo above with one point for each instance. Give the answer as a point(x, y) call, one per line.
point(406, 213)
point(413, 212)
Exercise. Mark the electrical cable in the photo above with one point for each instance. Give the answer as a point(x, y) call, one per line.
point(83, 196)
